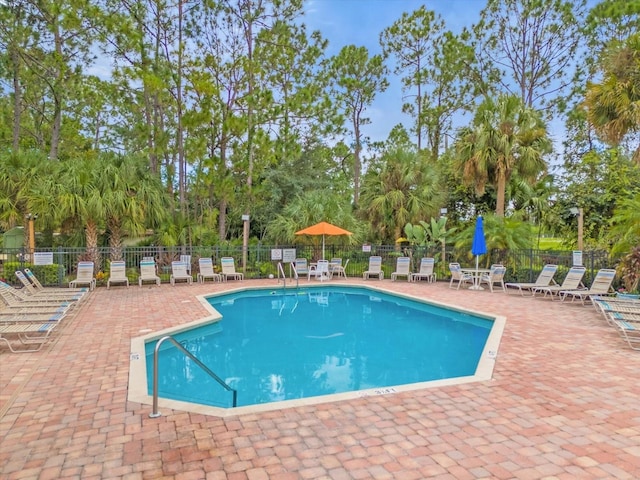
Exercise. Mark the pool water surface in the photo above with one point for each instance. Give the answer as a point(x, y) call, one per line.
point(276, 345)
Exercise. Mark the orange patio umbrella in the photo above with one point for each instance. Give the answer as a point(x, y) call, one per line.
point(323, 228)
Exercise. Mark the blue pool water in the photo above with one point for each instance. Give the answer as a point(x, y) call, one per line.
point(271, 346)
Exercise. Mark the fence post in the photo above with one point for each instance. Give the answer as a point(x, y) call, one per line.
point(531, 265)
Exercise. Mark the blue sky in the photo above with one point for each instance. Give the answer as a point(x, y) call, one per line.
point(359, 22)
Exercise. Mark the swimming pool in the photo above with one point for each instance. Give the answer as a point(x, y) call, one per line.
point(275, 346)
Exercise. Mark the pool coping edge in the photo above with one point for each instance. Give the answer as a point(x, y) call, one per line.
point(137, 391)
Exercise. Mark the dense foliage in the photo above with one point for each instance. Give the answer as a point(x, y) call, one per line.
point(211, 110)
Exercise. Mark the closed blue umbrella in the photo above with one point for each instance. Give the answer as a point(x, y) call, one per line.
point(479, 245)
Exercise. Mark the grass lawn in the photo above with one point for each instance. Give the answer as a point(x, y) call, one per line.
point(552, 244)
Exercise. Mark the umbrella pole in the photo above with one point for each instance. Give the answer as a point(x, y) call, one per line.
point(323, 246)
point(476, 277)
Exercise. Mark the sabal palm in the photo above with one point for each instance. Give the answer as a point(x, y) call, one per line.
point(20, 174)
point(500, 234)
point(131, 196)
point(625, 225)
point(310, 208)
point(506, 138)
point(613, 105)
point(80, 203)
point(402, 189)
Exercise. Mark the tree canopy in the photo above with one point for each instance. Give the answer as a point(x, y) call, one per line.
point(212, 110)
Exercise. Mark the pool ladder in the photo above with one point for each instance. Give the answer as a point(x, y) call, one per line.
point(284, 276)
point(155, 413)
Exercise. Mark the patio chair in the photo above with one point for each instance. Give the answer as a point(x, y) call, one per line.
point(229, 269)
point(495, 276)
point(148, 273)
point(84, 276)
point(68, 294)
point(40, 288)
point(403, 269)
point(611, 308)
point(179, 273)
point(205, 270)
point(629, 330)
point(572, 281)
point(374, 269)
point(17, 315)
point(339, 270)
point(544, 280)
point(33, 335)
point(601, 286)
point(301, 267)
point(334, 263)
point(17, 300)
point(187, 260)
point(320, 271)
point(117, 273)
point(457, 275)
point(426, 270)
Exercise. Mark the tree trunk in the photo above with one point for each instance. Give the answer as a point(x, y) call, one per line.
point(356, 161)
point(222, 220)
point(91, 236)
point(115, 239)
point(500, 194)
point(182, 170)
point(57, 95)
point(17, 100)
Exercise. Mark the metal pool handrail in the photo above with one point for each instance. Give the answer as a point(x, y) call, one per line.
point(155, 413)
point(284, 277)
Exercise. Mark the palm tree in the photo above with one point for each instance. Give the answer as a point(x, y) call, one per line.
point(402, 188)
point(308, 209)
point(80, 203)
point(506, 137)
point(613, 105)
point(625, 225)
point(504, 234)
point(20, 174)
point(131, 196)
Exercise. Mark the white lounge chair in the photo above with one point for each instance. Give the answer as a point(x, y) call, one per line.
point(320, 271)
point(374, 269)
point(84, 276)
point(334, 264)
point(457, 275)
point(58, 294)
point(179, 273)
point(572, 281)
point(187, 260)
point(148, 272)
point(117, 273)
point(301, 267)
point(229, 269)
point(601, 286)
point(628, 327)
point(16, 300)
point(615, 310)
point(495, 276)
point(205, 267)
point(338, 269)
point(32, 335)
point(427, 265)
point(544, 280)
point(40, 288)
point(403, 269)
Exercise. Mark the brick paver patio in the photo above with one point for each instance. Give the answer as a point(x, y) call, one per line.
point(564, 403)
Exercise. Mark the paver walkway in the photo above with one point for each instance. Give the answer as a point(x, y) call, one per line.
point(564, 403)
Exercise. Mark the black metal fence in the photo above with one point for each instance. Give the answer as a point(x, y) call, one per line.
point(522, 265)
